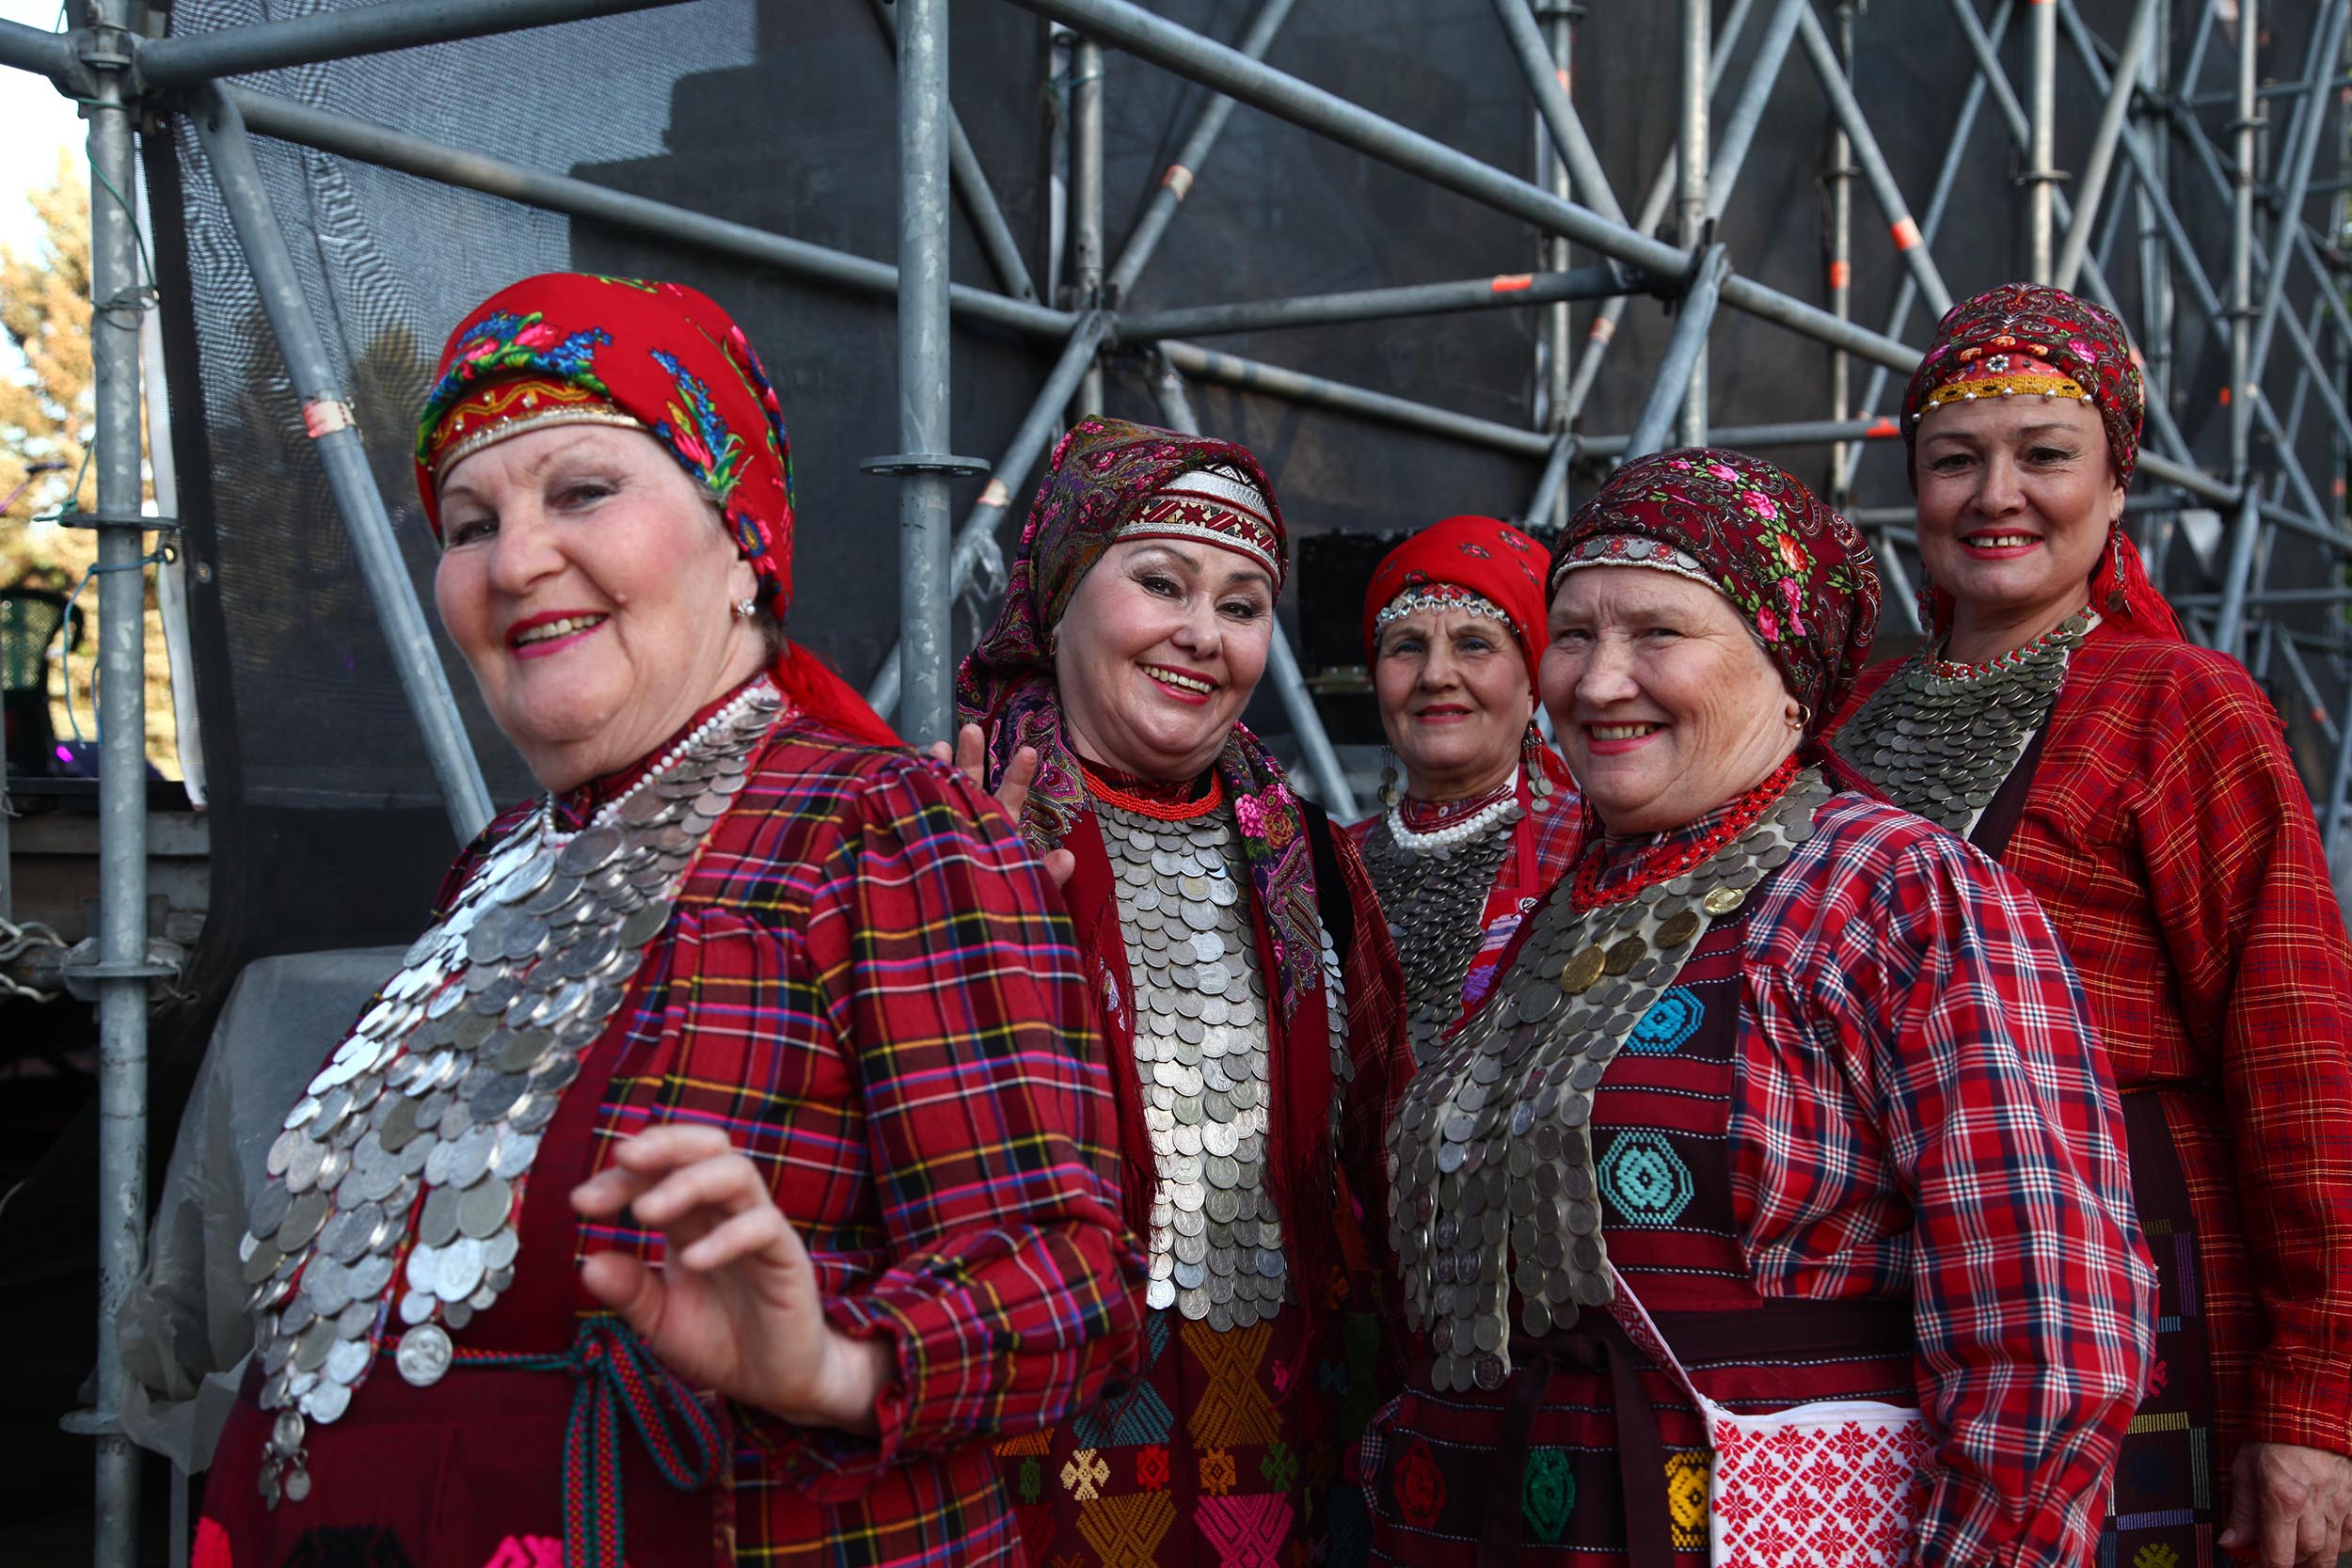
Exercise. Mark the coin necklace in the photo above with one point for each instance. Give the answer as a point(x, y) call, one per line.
point(1434, 897)
point(396, 1186)
point(1491, 1177)
point(1939, 737)
point(1200, 1047)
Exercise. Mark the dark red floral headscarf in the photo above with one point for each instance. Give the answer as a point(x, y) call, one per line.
point(569, 348)
point(1105, 476)
point(1798, 572)
point(2031, 340)
point(1479, 558)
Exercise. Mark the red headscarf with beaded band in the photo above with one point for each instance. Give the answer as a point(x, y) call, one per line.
point(1797, 571)
point(2029, 339)
point(569, 348)
point(1482, 563)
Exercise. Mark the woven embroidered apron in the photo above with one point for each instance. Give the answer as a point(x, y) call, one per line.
point(470, 1472)
point(2163, 1513)
point(1590, 1453)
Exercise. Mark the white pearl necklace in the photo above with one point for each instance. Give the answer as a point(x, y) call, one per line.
point(1505, 810)
point(610, 809)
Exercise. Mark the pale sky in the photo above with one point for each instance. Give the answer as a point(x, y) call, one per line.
point(35, 121)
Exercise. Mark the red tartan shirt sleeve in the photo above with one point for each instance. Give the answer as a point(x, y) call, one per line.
point(947, 971)
point(2240, 883)
point(1942, 994)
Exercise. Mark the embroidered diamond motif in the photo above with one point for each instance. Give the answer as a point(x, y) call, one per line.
point(1667, 1025)
point(1644, 1180)
point(1139, 1416)
point(1233, 1409)
point(1248, 1532)
point(1548, 1496)
point(1125, 1532)
point(1084, 1474)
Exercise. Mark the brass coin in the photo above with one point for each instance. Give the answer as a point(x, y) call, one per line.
point(1723, 900)
point(1678, 928)
point(1625, 953)
point(1580, 973)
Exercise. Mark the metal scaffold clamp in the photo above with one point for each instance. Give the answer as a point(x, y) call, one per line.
point(898, 464)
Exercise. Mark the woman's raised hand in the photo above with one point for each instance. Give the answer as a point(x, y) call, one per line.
point(971, 758)
point(735, 1306)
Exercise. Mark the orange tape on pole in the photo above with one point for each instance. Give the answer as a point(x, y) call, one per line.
point(1882, 429)
point(1906, 232)
point(1511, 283)
point(1602, 330)
point(1840, 274)
point(1178, 179)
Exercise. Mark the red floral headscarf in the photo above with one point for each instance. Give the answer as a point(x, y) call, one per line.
point(1798, 572)
point(1481, 558)
point(567, 348)
point(2028, 339)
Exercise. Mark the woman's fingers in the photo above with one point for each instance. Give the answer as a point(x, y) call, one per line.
point(971, 753)
point(755, 1236)
point(1060, 864)
point(626, 1285)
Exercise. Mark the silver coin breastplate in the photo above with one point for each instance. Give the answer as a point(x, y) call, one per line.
point(1942, 745)
point(1200, 1010)
point(394, 1192)
point(1434, 904)
point(1492, 1179)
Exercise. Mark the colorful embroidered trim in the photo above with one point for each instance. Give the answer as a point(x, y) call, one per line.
point(511, 406)
point(1632, 549)
point(2048, 383)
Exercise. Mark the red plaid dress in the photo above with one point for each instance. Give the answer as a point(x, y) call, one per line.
point(2170, 839)
point(867, 985)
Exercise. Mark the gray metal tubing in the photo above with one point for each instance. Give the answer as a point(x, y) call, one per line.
point(1683, 348)
point(1903, 230)
point(1028, 443)
point(2195, 481)
point(1552, 483)
point(2229, 629)
point(116, 306)
point(31, 49)
point(1177, 182)
point(1508, 293)
point(1602, 332)
point(927, 709)
point(2242, 264)
point(2327, 42)
point(1281, 665)
point(972, 187)
point(1188, 55)
point(2042, 140)
point(2269, 596)
point(2339, 786)
point(1255, 375)
point(1557, 109)
point(185, 59)
point(1085, 198)
point(1691, 150)
point(431, 160)
point(1739, 132)
point(345, 456)
point(1806, 433)
point(2093, 184)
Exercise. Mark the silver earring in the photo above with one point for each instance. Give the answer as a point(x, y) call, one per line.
point(1388, 776)
point(745, 608)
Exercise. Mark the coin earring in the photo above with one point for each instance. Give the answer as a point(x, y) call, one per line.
point(1388, 776)
point(1532, 761)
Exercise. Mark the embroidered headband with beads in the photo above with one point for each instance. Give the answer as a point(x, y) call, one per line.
point(2003, 375)
point(1632, 549)
point(508, 408)
point(1437, 596)
point(1216, 506)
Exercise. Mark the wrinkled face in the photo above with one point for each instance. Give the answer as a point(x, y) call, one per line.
point(1663, 703)
point(1156, 656)
point(2016, 496)
point(1455, 699)
point(589, 584)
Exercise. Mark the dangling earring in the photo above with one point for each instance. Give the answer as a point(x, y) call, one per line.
point(1388, 777)
point(1800, 720)
point(746, 608)
point(1532, 760)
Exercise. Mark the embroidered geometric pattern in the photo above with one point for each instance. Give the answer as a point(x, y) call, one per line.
point(1644, 1180)
point(1667, 1025)
point(1848, 1491)
point(1126, 1531)
point(1248, 1532)
point(1548, 1495)
point(1084, 1473)
point(1138, 1417)
point(1233, 1411)
point(1421, 1486)
point(1686, 1497)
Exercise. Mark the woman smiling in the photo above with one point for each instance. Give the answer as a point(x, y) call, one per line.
point(1247, 993)
point(1781, 1151)
point(2140, 787)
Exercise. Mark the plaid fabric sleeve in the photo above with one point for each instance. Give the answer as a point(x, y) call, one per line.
point(944, 967)
point(2240, 881)
point(1935, 985)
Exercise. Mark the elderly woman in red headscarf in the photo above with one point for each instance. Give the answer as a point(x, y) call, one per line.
point(2140, 787)
point(1782, 1098)
point(1453, 625)
point(1248, 1000)
point(721, 1160)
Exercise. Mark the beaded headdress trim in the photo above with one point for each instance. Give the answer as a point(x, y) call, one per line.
point(1633, 549)
point(507, 408)
point(1216, 506)
point(2003, 375)
point(1437, 596)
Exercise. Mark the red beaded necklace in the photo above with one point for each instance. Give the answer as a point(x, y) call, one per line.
point(1659, 866)
point(1956, 670)
point(1158, 810)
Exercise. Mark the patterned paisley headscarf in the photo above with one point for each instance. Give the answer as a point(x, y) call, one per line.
point(567, 348)
point(1482, 564)
point(2029, 340)
point(1105, 476)
point(1797, 571)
